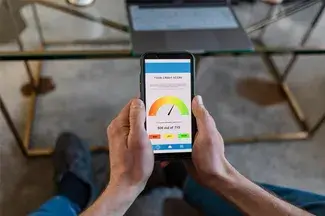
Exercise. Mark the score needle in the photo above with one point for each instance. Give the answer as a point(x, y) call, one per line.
point(170, 110)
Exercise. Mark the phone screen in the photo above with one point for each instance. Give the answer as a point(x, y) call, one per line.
point(168, 104)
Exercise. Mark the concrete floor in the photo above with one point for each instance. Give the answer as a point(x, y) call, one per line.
point(90, 93)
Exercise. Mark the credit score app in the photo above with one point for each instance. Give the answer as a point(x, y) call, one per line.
point(168, 103)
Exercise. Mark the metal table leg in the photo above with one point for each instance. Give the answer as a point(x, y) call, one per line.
point(303, 42)
point(318, 125)
point(11, 125)
point(264, 28)
point(20, 44)
point(38, 25)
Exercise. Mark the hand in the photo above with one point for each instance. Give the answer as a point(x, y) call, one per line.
point(131, 155)
point(208, 150)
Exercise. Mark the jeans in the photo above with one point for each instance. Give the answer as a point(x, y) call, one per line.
point(58, 205)
point(205, 200)
point(212, 205)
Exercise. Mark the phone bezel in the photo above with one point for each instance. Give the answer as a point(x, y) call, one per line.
point(173, 55)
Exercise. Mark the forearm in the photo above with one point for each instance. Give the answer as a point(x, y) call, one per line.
point(250, 198)
point(114, 201)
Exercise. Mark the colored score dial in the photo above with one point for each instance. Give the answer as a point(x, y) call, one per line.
point(173, 101)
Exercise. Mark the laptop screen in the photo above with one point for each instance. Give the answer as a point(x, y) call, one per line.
point(175, 1)
point(181, 18)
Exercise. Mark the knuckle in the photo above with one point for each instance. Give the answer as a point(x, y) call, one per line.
point(112, 128)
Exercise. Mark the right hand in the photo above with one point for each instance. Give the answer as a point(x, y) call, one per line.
point(208, 150)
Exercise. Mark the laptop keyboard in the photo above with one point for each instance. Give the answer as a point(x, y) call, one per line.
point(181, 18)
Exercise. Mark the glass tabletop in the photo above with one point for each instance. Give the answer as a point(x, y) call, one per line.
point(56, 29)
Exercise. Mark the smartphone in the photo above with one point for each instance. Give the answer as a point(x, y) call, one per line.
point(167, 89)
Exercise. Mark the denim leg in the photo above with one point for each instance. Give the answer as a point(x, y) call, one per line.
point(311, 202)
point(212, 205)
point(58, 205)
point(209, 203)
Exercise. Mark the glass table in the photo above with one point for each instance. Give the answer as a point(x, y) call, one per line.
point(92, 33)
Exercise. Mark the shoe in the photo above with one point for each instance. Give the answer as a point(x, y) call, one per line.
point(72, 155)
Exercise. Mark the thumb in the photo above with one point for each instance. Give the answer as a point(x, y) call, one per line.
point(203, 118)
point(137, 116)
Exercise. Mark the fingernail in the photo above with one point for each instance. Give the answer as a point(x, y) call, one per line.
point(137, 103)
point(199, 100)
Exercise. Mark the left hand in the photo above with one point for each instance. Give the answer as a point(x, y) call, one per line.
point(130, 151)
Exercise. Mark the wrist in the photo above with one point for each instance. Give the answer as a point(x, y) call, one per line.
point(115, 200)
point(127, 191)
point(227, 177)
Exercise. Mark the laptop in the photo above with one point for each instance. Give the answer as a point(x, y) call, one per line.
point(196, 26)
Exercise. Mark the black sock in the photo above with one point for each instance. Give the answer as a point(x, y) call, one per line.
point(73, 188)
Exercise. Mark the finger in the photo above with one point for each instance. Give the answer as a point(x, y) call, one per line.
point(203, 118)
point(123, 116)
point(118, 127)
point(137, 116)
point(115, 135)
